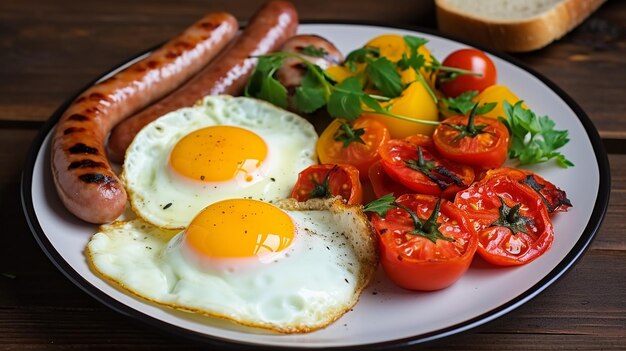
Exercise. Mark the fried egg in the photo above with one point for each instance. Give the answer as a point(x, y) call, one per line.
point(291, 268)
point(223, 147)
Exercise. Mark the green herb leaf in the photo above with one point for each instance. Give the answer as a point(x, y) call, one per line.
point(359, 56)
point(381, 205)
point(534, 139)
point(265, 68)
point(463, 104)
point(311, 50)
point(373, 104)
point(384, 76)
point(311, 94)
point(274, 92)
point(414, 59)
point(345, 100)
point(414, 42)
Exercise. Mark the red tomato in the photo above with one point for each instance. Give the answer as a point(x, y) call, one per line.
point(470, 60)
point(331, 149)
point(414, 260)
point(512, 221)
point(382, 184)
point(477, 141)
point(322, 181)
point(429, 174)
point(554, 198)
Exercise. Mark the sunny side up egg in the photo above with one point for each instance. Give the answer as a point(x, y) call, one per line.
point(291, 268)
point(223, 147)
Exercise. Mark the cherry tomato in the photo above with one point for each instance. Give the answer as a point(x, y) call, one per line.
point(430, 257)
point(332, 149)
point(422, 170)
point(554, 198)
point(322, 181)
point(477, 141)
point(512, 221)
point(382, 184)
point(470, 60)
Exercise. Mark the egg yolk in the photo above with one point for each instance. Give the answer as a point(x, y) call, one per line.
point(218, 153)
point(239, 228)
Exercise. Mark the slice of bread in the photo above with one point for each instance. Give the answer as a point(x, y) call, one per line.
point(512, 25)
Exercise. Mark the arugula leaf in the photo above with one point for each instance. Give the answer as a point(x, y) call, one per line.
point(313, 51)
point(311, 94)
point(534, 139)
point(381, 205)
point(384, 76)
point(345, 100)
point(463, 104)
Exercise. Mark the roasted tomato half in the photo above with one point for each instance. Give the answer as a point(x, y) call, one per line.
point(426, 243)
point(477, 141)
point(422, 170)
point(382, 184)
point(353, 143)
point(554, 198)
point(511, 219)
point(323, 181)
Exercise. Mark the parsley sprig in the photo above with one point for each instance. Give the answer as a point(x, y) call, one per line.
point(464, 103)
point(534, 139)
point(346, 99)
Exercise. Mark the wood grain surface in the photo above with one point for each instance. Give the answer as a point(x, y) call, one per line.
point(51, 49)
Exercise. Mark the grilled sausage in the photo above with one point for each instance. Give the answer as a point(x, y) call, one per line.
point(291, 73)
point(84, 180)
point(267, 31)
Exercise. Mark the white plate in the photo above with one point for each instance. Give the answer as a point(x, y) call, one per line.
point(386, 316)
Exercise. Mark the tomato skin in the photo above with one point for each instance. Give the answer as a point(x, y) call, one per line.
point(498, 244)
point(343, 180)
point(383, 184)
point(361, 156)
point(416, 263)
point(483, 151)
point(471, 60)
point(554, 198)
point(394, 155)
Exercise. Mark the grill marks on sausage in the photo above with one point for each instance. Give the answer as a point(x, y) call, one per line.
point(72, 130)
point(98, 178)
point(78, 117)
point(86, 164)
point(208, 25)
point(97, 97)
point(81, 148)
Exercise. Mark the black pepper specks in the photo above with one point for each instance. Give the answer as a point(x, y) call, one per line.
point(168, 205)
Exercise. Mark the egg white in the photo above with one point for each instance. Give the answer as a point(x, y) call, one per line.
point(166, 199)
point(312, 283)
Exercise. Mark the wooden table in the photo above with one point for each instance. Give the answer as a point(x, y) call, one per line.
point(50, 49)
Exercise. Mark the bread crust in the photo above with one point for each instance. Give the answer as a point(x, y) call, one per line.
point(515, 35)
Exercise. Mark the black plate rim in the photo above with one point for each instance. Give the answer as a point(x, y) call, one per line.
point(573, 256)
